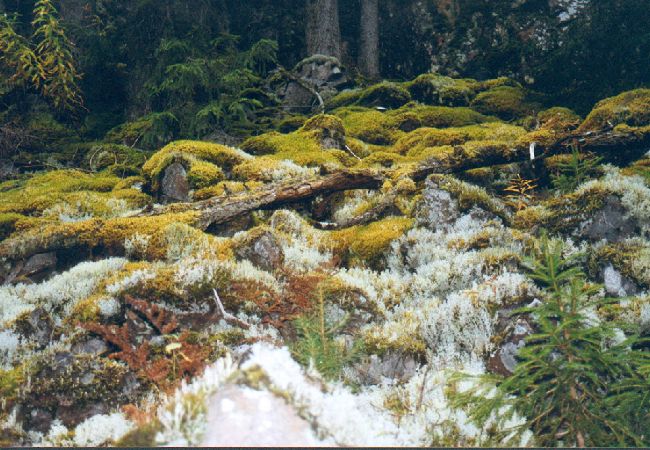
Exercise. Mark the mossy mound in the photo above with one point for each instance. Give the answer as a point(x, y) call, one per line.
point(367, 244)
point(505, 102)
point(385, 94)
point(205, 161)
point(434, 89)
point(630, 257)
point(70, 193)
point(423, 138)
point(313, 145)
point(630, 108)
point(385, 128)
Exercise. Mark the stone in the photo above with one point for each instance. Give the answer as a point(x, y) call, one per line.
point(36, 325)
point(437, 209)
point(263, 250)
point(239, 416)
point(503, 360)
point(617, 285)
point(35, 269)
point(174, 186)
point(610, 223)
point(92, 346)
point(393, 367)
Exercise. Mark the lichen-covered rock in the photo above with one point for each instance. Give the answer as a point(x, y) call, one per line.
point(174, 186)
point(262, 249)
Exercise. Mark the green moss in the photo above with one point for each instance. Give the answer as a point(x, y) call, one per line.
point(631, 258)
point(291, 123)
point(369, 125)
point(204, 160)
point(630, 108)
point(506, 102)
point(368, 244)
point(70, 191)
point(437, 89)
point(558, 118)
point(385, 94)
point(434, 137)
point(469, 195)
point(344, 98)
point(641, 168)
point(303, 147)
point(148, 132)
point(383, 159)
point(10, 222)
point(562, 213)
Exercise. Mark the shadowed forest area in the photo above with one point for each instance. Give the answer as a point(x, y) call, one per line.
point(324, 223)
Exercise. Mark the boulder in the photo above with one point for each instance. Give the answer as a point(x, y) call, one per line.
point(174, 186)
point(262, 249)
point(611, 223)
point(616, 284)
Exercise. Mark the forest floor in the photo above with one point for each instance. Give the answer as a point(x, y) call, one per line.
point(323, 285)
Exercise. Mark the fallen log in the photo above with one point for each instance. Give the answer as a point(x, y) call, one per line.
point(223, 209)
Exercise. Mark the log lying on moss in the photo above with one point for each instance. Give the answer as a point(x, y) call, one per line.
point(220, 210)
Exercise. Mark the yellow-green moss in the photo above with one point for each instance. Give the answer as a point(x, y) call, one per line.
point(558, 118)
point(45, 190)
point(369, 125)
point(368, 243)
point(640, 167)
point(383, 159)
point(631, 258)
point(386, 94)
point(437, 89)
point(469, 195)
point(631, 108)
point(562, 213)
point(506, 102)
point(204, 160)
point(423, 138)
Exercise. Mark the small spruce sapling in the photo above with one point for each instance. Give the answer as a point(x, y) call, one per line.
point(573, 378)
point(578, 169)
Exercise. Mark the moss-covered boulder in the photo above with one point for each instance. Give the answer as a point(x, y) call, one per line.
point(434, 89)
point(630, 108)
point(204, 162)
point(505, 102)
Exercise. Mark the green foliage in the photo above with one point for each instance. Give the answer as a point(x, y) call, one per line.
point(575, 382)
point(207, 87)
point(317, 344)
point(575, 171)
point(44, 62)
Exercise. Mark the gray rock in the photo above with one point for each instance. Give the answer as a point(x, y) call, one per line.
point(393, 366)
point(437, 209)
point(174, 186)
point(513, 333)
point(36, 325)
point(609, 223)
point(616, 284)
point(36, 268)
point(92, 346)
point(239, 416)
point(263, 250)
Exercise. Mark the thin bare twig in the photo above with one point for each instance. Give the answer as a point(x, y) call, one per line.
point(229, 318)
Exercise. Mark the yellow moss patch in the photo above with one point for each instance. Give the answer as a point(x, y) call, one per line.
point(368, 243)
point(437, 89)
point(434, 137)
point(631, 108)
point(205, 161)
point(226, 188)
point(93, 193)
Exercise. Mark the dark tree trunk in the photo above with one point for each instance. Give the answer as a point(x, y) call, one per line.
point(369, 46)
point(323, 31)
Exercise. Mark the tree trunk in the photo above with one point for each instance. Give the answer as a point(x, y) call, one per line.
point(369, 46)
point(323, 31)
